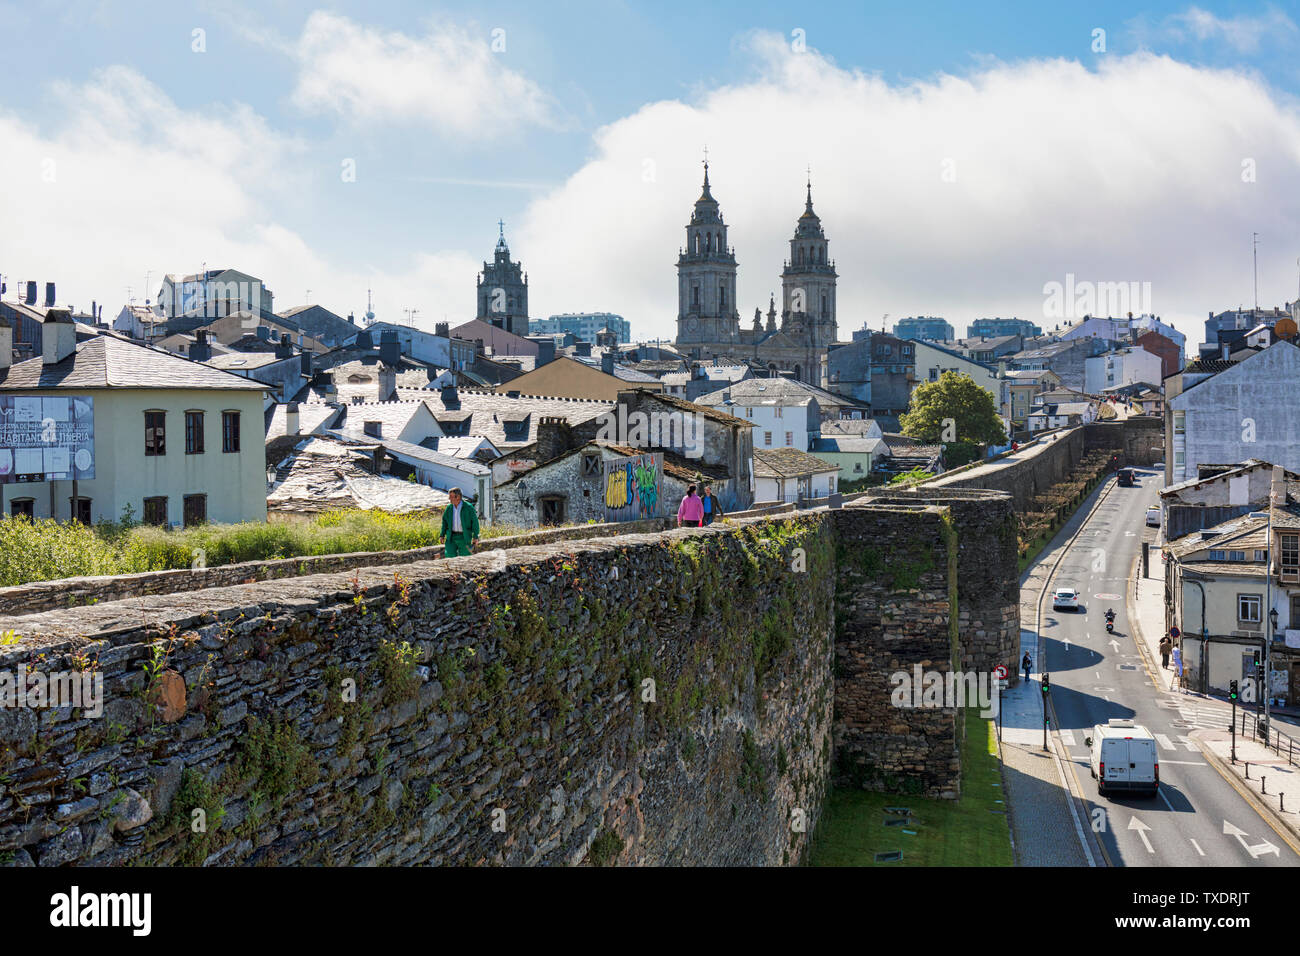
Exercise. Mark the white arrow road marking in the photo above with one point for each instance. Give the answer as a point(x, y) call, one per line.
point(1163, 741)
point(1189, 743)
point(1198, 848)
point(1256, 851)
point(1141, 828)
point(1114, 645)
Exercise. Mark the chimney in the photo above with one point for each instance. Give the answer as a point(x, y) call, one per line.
point(1224, 349)
point(545, 352)
point(374, 429)
point(583, 349)
point(49, 295)
point(442, 329)
point(554, 437)
point(6, 346)
point(364, 341)
point(432, 372)
point(263, 332)
point(390, 349)
point(58, 336)
point(1277, 489)
point(200, 351)
point(285, 348)
point(607, 362)
point(513, 393)
point(449, 397)
point(352, 319)
point(387, 383)
point(292, 425)
point(308, 362)
point(30, 298)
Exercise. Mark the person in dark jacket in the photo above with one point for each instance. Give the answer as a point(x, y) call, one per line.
point(712, 506)
point(1025, 665)
point(459, 526)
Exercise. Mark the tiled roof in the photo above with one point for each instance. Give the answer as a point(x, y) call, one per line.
point(108, 361)
point(788, 463)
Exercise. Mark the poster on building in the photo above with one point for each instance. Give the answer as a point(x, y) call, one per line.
point(632, 487)
point(46, 438)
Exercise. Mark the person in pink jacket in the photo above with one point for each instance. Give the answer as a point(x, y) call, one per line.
point(691, 510)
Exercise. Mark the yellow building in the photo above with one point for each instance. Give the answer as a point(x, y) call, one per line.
point(89, 428)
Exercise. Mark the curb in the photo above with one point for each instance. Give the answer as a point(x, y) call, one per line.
point(1284, 828)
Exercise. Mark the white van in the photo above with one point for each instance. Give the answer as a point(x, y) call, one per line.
point(1122, 756)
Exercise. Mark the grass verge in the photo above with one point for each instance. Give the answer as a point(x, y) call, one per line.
point(962, 832)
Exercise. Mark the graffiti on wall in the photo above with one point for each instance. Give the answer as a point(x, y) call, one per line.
point(632, 487)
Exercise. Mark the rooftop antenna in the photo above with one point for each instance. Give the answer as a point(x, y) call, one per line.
point(370, 312)
point(410, 316)
point(129, 300)
point(307, 300)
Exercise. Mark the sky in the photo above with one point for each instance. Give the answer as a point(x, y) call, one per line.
point(963, 156)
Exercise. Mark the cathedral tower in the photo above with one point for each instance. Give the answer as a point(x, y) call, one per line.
point(808, 282)
point(503, 290)
point(706, 277)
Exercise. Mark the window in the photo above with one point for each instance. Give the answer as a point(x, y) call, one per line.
point(1180, 423)
point(155, 511)
point(789, 438)
point(590, 466)
point(155, 433)
point(777, 412)
point(907, 350)
point(767, 439)
point(1261, 554)
point(1294, 619)
point(79, 509)
point(193, 433)
point(749, 413)
point(857, 467)
point(22, 508)
point(1291, 550)
point(934, 375)
point(1236, 555)
point(1216, 555)
point(230, 432)
point(1248, 608)
point(552, 510)
point(196, 509)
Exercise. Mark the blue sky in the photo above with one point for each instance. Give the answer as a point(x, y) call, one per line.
point(584, 132)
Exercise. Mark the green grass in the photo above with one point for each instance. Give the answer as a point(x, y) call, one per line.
point(46, 550)
point(962, 832)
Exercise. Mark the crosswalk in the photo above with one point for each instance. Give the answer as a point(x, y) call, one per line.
point(1195, 713)
point(1163, 741)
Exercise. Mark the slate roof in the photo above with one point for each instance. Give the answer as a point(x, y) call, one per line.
point(326, 475)
point(849, 445)
point(392, 416)
point(488, 411)
point(712, 414)
point(110, 361)
point(860, 427)
point(311, 416)
point(788, 463)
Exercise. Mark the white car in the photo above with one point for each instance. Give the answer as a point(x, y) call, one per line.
point(1153, 517)
point(1065, 599)
point(1122, 756)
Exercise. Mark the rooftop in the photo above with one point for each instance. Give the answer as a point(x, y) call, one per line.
point(110, 361)
point(788, 463)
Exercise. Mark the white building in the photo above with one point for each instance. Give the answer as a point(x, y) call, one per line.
point(1126, 366)
point(784, 414)
point(933, 360)
point(788, 475)
point(1218, 413)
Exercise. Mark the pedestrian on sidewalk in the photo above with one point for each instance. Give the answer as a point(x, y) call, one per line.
point(691, 511)
point(459, 526)
point(1166, 645)
point(1025, 665)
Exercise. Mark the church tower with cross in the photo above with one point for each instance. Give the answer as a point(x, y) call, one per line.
point(503, 290)
point(808, 281)
point(706, 276)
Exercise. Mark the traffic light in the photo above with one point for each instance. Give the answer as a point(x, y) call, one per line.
point(1047, 683)
point(1232, 690)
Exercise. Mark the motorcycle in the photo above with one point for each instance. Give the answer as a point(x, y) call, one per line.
point(1110, 627)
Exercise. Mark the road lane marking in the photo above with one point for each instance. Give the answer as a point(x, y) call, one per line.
point(1166, 800)
point(1189, 743)
point(1198, 848)
point(1067, 737)
point(1256, 851)
point(1142, 828)
point(1164, 742)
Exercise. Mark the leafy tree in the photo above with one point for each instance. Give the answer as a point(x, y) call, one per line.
point(954, 396)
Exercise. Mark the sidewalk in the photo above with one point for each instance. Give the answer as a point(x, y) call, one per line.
point(1145, 617)
point(1274, 785)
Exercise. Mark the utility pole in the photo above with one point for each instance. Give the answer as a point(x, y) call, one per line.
point(1254, 243)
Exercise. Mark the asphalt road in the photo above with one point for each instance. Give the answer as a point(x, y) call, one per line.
point(1096, 676)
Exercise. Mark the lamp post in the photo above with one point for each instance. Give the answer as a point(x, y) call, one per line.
point(1268, 641)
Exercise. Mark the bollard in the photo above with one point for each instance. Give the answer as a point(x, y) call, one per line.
point(1261, 785)
point(1247, 769)
point(1281, 801)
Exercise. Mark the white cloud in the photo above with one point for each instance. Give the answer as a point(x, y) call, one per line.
point(449, 79)
point(127, 182)
point(1129, 173)
point(1242, 34)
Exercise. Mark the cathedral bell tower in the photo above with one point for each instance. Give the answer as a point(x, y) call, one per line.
point(706, 277)
point(808, 281)
point(503, 290)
